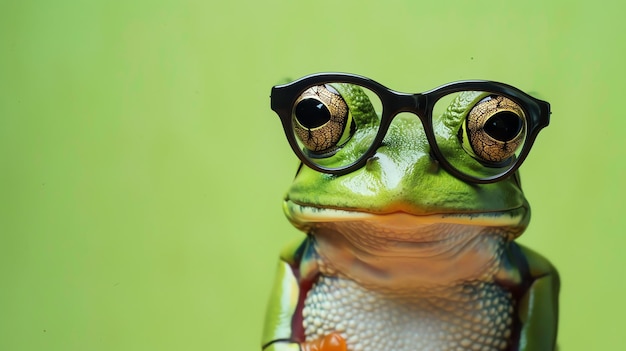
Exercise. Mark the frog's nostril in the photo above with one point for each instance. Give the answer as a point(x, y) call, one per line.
point(433, 165)
point(372, 159)
point(433, 158)
point(371, 163)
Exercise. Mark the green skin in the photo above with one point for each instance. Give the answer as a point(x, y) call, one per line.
point(403, 180)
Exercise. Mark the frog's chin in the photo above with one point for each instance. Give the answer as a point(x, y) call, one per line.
point(305, 216)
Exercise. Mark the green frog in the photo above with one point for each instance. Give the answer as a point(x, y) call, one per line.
point(410, 204)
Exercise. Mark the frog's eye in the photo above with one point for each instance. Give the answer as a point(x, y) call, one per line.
point(321, 120)
point(494, 129)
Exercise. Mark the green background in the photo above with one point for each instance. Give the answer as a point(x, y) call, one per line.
point(142, 170)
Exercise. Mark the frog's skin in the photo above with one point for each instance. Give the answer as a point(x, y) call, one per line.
point(400, 255)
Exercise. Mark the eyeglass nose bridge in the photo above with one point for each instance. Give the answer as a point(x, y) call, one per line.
point(396, 103)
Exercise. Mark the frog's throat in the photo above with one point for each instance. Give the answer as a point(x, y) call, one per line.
point(402, 251)
point(306, 216)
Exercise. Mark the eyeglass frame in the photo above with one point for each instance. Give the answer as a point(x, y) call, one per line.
point(283, 98)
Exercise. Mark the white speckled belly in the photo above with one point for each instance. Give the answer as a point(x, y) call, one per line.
point(474, 316)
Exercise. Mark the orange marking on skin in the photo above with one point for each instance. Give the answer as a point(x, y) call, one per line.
point(331, 342)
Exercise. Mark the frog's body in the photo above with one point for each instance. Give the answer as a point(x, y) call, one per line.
point(458, 318)
point(402, 256)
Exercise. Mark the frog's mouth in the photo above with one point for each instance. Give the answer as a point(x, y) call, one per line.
point(306, 216)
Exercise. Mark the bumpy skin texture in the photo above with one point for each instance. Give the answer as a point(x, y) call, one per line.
point(400, 255)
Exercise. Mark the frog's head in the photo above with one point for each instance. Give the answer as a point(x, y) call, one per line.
point(402, 187)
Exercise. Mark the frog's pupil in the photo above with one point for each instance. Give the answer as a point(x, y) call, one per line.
point(311, 113)
point(503, 126)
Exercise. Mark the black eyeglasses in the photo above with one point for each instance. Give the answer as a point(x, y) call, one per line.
point(479, 131)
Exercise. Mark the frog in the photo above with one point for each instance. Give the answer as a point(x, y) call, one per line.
point(410, 218)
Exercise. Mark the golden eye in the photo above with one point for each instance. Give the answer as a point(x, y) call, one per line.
point(320, 118)
point(495, 127)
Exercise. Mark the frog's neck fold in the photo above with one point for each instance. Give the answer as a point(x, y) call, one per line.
point(398, 258)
